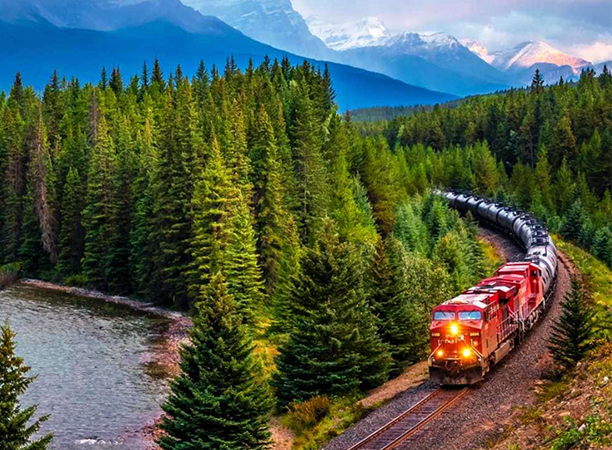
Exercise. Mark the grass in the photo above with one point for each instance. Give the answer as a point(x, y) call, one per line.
point(597, 275)
point(340, 414)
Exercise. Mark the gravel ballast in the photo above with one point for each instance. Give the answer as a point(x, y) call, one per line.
point(483, 414)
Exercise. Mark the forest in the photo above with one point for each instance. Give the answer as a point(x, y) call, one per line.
point(547, 150)
point(246, 198)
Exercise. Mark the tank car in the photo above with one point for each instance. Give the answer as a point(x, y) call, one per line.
point(475, 330)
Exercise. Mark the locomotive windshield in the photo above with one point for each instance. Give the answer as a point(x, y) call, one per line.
point(470, 315)
point(444, 315)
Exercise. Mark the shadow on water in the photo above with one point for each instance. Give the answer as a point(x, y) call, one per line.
point(98, 375)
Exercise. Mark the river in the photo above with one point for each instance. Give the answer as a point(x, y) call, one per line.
point(94, 365)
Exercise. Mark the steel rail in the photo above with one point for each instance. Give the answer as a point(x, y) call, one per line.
point(398, 430)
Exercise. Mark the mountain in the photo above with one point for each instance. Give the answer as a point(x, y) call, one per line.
point(598, 68)
point(437, 62)
point(527, 54)
point(444, 51)
point(83, 53)
point(478, 49)
point(367, 32)
point(107, 15)
point(273, 22)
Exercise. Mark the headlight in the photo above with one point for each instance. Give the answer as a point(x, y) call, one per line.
point(454, 329)
point(440, 353)
point(466, 352)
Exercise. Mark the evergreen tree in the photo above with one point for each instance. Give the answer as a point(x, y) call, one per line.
point(310, 166)
point(17, 427)
point(144, 246)
point(571, 332)
point(172, 193)
point(270, 191)
point(398, 319)
point(213, 201)
point(537, 83)
point(219, 401)
point(100, 203)
point(240, 265)
point(574, 222)
point(30, 251)
point(71, 234)
point(333, 348)
point(289, 270)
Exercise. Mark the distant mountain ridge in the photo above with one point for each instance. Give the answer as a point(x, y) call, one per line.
point(109, 15)
point(527, 54)
point(273, 22)
point(368, 32)
point(83, 53)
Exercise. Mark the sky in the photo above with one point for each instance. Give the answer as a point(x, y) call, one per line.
point(580, 27)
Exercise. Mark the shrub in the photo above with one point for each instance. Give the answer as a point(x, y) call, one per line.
point(305, 415)
point(77, 281)
point(9, 273)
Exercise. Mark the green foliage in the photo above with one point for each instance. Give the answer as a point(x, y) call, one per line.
point(158, 187)
point(305, 415)
point(17, 424)
point(572, 331)
point(333, 347)
point(219, 400)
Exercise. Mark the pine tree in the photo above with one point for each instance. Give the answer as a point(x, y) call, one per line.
point(100, 203)
point(240, 265)
point(17, 429)
point(219, 401)
point(333, 347)
point(41, 182)
point(144, 246)
point(313, 195)
point(30, 251)
point(574, 222)
point(537, 83)
point(289, 270)
point(71, 234)
point(173, 191)
point(571, 332)
point(121, 220)
point(13, 186)
point(398, 319)
point(270, 212)
point(213, 200)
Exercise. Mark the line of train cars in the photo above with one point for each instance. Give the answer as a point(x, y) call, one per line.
point(475, 330)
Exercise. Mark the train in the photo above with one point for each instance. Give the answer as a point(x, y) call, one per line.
point(474, 331)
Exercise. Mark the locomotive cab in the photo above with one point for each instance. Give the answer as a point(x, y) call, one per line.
point(456, 341)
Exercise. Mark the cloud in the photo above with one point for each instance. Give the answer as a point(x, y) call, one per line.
point(498, 23)
point(596, 52)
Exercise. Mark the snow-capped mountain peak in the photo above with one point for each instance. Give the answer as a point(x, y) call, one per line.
point(527, 54)
point(440, 40)
point(367, 32)
point(479, 49)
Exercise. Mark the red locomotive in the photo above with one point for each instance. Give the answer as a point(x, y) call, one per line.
point(474, 331)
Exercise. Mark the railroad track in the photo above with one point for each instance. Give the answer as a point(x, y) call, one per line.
point(408, 423)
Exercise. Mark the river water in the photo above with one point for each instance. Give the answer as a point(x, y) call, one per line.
point(93, 362)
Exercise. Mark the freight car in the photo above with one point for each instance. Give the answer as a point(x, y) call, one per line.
point(474, 331)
